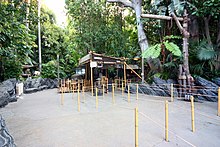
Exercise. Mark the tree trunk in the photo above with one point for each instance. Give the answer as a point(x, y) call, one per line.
point(142, 39)
point(194, 28)
point(207, 33)
point(217, 66)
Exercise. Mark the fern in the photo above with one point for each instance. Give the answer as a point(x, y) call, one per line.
point(173, 48)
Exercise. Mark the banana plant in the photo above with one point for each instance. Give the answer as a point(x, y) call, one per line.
point(155, 50)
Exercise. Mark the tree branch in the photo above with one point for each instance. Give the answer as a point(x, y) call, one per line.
point(126, 3)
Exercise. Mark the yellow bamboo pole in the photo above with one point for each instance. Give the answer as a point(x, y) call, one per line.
point(137, 93)
point(113, 94)
point(125, 73)
point(96, 96)
point(136, 127)
point(171, 92)
point(103, 90)
point(192, 113)
point(129, 93)
point(62, 96)
point(219, 101)
point(92, 80)
point(122, 88)
point(83, 90)
point(78, 100)
point(107, 86)
point(166, 120)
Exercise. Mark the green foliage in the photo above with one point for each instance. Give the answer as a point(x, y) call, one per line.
point(99, 27)
point(13, 69)
point(49, 70)
point(154, 51)
point(15, 40)
point(173, 48)
point(206, 51)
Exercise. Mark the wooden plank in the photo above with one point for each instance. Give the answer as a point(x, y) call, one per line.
point(159, 17)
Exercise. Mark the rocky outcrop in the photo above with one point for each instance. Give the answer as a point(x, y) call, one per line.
point(203, 90)
point(38, 84)
point(6, 140)
point(159, 87)
point(7, 92)
point(207, 89)
point(216, 81)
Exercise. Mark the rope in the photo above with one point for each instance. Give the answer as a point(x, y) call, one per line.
point(203, 114)
point(161, 126)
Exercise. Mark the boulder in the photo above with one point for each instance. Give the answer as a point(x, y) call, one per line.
point(206, 84)
point(208, 89)
point(6, 140)
point(30, 90)
point(7, 92)
point(216, 81)
point(38, 84)
point(4, 96)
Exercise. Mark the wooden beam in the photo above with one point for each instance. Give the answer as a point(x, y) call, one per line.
point(159, 17)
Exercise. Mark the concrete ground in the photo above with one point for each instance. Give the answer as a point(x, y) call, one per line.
point(39, 120)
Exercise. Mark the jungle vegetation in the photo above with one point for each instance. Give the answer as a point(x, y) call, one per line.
point(111, 29)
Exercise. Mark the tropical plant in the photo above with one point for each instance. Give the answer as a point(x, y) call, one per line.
point(155, 50)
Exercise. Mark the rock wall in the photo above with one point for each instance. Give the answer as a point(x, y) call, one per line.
point(38, 84)
point(8, 88)
point(6, 140)
point(7, 92)
point(203, 89)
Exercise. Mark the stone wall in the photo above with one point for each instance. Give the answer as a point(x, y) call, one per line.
point(6, 140)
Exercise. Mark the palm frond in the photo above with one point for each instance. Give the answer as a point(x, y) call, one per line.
point(206, 51)
point(173, 48)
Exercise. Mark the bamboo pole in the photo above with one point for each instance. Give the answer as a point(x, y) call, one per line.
point(129, 93)
point(62, 96)
point(137, 93)
point(171, 92)
point(166, 120)
point(78, 100)
point(107, 86)
point(122, 88)
point(136, 127)
point(83, 90)
point(192, 114)
point(96, 96)
point(113, 94)
point(125, 73)
point(103, 90)
point(92, 80)
point(159, 17)
point(219, 101)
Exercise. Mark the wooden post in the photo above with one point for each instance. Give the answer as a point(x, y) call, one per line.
point(137, 93)
point(192, 114)
point(171, 92)
point(166, 120)
point(78, 100)
point(125, 74)
point(122, 88)
point(92, 80)
point(62, 96)
point(219, 101)
point(103, 90)
point(113, 94)
point(83, 90)
point(107, 86)
point(129, 93)
point(136, 127)
point(96, 96)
